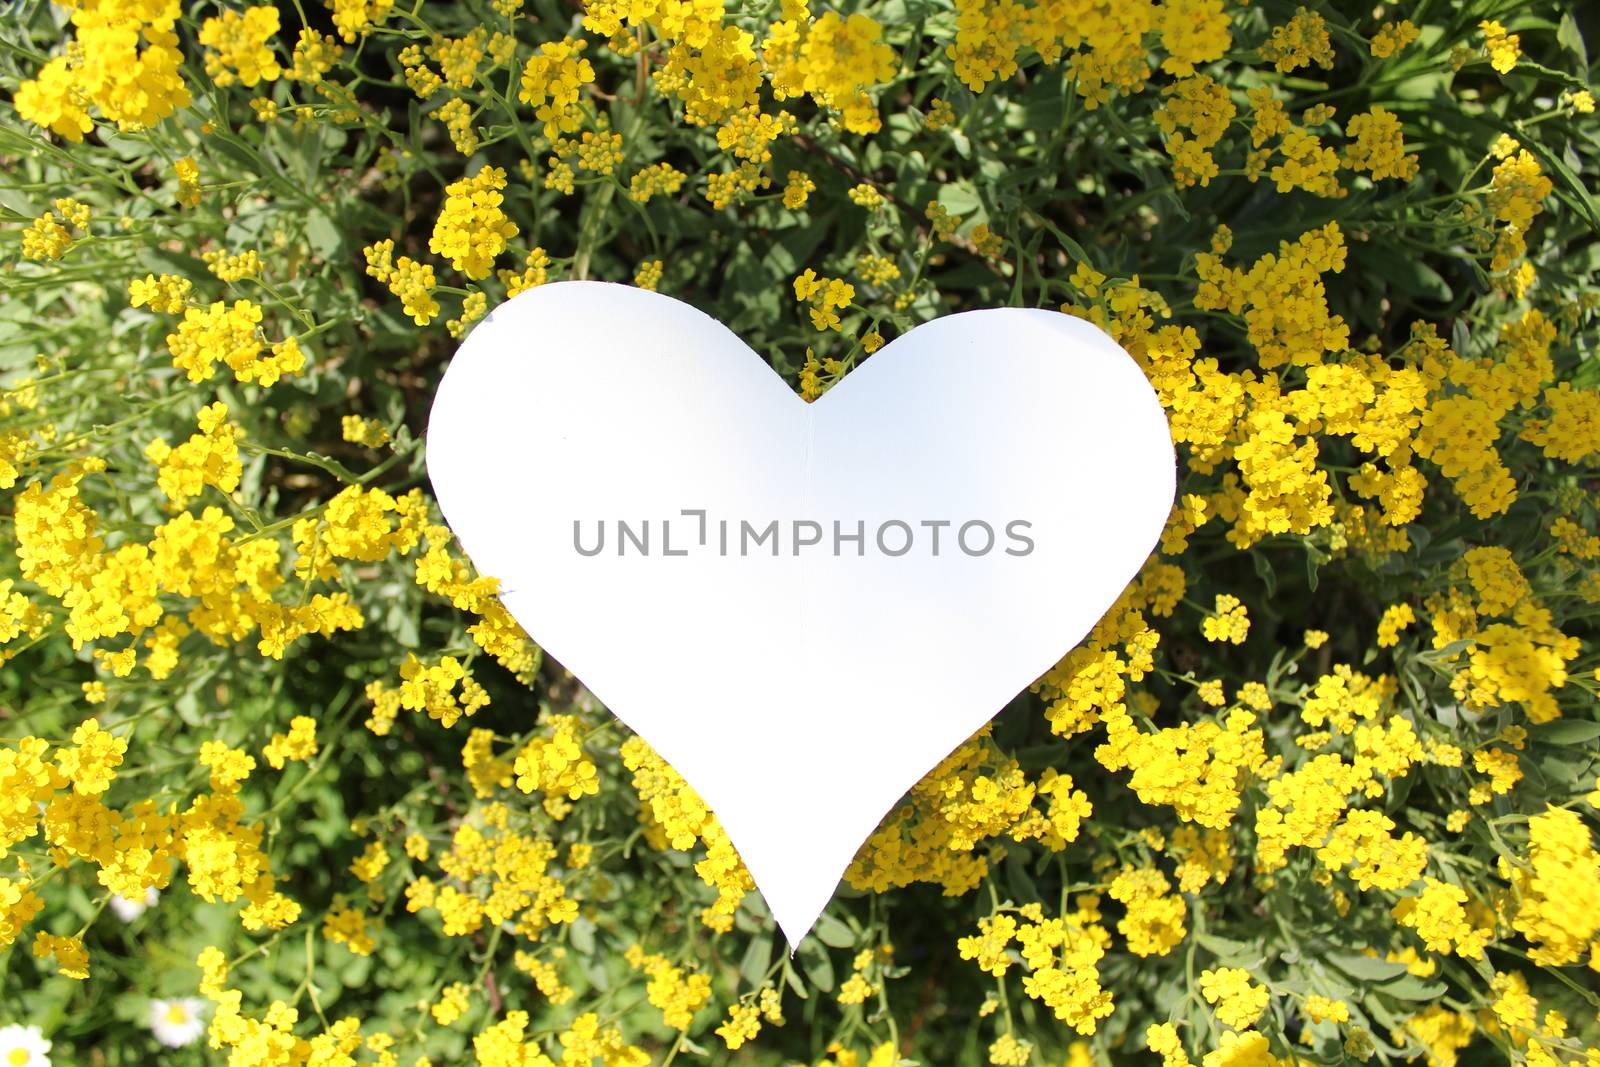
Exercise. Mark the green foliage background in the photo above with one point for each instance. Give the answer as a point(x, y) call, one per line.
point(1047, 189)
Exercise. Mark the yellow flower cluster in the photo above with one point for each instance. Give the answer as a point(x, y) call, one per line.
point(407, 279)
point(973, 795)
point(1237, 1000)
point(827, 297)
point(556, 766)
point(1060, 955)
point(124, 62)
point(675, 817)
point(1557, 892)
point(237, 46)
point(429, 689)
point(678, 994)
point(472, 229)
point(298, 745)
point(834, 59)
point(550, 84)
point(494, 874)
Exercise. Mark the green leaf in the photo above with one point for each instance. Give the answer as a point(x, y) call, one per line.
point(959, 199)
point(817, 964)
point(791, 976)
point(1568, 36)
point(1365, 968)
point(1410, 987)
point(1229, 951)
point(1408, 273)
point(792, 249)
point(833, 933)
point(757, 958)
point(581, 932)
point(323, 235)
point(1019, 883)
point(1264, 571)
point(1565, 732)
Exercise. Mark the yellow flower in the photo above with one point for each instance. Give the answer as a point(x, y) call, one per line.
point(986, 241)
point(1007, 1051)
point(940, 114)
point(52, 100)
point(209, 457)
point(600, 152)
point(825, 295)
point(188, 174)
point(1230, 623)
point(452, 1003)
point(1558, 890)
point(1193, 32)
point(798, 188)
point(1154, 922)
point(1396, 617)
point(749, 133)
point(45, 239)
point(735, 186)
point(1194, 116)
point(164, 293)
point(360, 431)
point(314, 55)
point(356, 18)
point(679, 818)
point(1162, 1039)
point(1440, 917)
point(1378, 147)
point(557, 766)
point(989, 947)
point(866, 195)
point(72, 959)
point(1503, 48)
point(92, 762)
point(1238, 1001)
point(551, 81)
point(648, 275)
point(742, 1025)
point(473, 307)
point(855, 990)
point(407, 279)
point(659, 179)
point(1392, 37)
point(472, 229)
point(458, 57)
point(677, 994)
point(941, 222)
point(841, 58)
point(238, 46)
point(298, 745)
point(1298, 42)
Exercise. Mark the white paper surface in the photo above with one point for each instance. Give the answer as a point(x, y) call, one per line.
point(801, 694)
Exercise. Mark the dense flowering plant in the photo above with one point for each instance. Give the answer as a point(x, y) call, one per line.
point(282, 784)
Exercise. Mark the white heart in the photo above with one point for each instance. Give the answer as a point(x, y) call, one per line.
point(803, 694)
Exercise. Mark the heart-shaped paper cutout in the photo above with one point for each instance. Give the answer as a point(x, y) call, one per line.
point(801, 693)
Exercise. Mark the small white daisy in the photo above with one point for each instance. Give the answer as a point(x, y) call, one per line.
point(177, 1023)
point(129, 910)
point(23, 1046)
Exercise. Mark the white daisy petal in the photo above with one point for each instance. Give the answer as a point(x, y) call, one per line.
point(177, 1023)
